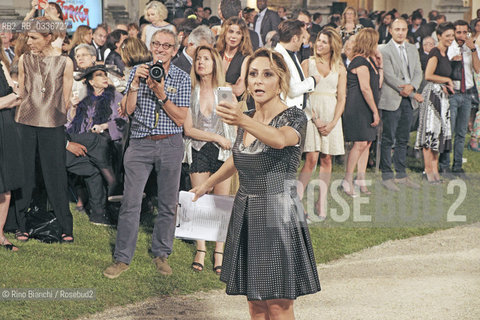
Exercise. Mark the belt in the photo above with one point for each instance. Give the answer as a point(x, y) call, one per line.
point(467, 91)
point(156, 137)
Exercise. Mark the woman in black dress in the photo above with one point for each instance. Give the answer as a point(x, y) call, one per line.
point(268, 252)
point(434, 133)
point(234, 46)
point(11, 169)
point(360, 118)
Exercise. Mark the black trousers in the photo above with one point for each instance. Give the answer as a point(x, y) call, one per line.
point(396, 130)
point(94, 168)
point(50, 145)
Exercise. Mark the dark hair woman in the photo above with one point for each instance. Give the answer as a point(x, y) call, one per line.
point(112, 53)
point(95, 124)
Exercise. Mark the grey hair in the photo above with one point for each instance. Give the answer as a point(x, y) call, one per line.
point(201, 33)
point(169, 32)
point(90, 49)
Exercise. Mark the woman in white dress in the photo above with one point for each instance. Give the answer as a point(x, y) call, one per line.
point(324, 136)
point(155, 13)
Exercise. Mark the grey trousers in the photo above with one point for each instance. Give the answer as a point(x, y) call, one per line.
point(142, 155)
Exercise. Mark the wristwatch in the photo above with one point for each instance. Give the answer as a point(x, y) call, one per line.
point(474, 49)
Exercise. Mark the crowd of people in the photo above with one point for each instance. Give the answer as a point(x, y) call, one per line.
point(110, 115)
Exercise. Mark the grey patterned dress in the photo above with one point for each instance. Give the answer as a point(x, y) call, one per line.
point(268, 252)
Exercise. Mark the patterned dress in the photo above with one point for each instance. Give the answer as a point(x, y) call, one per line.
point(268, 252)
point(434, 129)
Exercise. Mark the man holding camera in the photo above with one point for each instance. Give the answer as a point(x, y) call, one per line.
point(158, 105)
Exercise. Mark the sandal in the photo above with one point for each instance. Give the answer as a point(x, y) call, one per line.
point(22, 236)
point(9, 246)
point(350, 191)
point(198, 264)
point(363, 189)
point(217, 269)
point(66, 238)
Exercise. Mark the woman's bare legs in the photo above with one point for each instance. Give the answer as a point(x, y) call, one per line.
point(362, 168)
point(311, 159)
point(197, 178)
point(353, 159)
point(275, 309)
point(324, 175)
point(258, 310)
point(222, 189)
point(4, 204)
point(429, 163)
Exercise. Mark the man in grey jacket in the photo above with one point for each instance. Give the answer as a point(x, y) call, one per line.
point(402, 77)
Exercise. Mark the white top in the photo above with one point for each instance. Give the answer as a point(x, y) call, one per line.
point(454, 50)
point(151, 29)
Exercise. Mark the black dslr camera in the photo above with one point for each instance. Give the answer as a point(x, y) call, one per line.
point(156, 72)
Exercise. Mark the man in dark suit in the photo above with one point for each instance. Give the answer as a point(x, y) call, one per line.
point(265, 21)
point(99, 39)
point(6, 38)
point(384, 34)
point(364, 20)
point(200, 36)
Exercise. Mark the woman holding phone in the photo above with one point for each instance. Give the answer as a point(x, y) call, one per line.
point(268, 252)
point(210, 139)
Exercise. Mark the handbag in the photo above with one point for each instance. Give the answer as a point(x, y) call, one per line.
point(457, 70)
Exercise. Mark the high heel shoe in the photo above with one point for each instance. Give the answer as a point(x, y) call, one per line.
point(351, 193)
point(197, 266)
point(7, 245)
point(363, 189)
point(433, 181)
point(217, 269)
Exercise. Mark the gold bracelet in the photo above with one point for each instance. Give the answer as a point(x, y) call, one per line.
point(133, 88)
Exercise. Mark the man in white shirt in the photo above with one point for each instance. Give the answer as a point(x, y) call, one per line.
point(291, 34)
point(462, 49)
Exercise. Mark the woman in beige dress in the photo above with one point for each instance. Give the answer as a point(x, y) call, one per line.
point(324, 136)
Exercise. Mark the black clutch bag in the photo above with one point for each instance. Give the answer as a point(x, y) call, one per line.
point(457, 70)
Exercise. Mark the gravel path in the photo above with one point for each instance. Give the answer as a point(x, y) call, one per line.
point(436, 276)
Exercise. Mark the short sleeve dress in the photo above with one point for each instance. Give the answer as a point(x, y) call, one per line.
point(434, 127)
point(11, 163)
point(357, 116)
point(268, 252)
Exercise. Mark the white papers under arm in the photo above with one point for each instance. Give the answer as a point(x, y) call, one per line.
point(205, 219)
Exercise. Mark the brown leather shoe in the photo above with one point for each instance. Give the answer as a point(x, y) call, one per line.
point(162, 266)
point(390, 185)
point(407, 183)
point(115, 270)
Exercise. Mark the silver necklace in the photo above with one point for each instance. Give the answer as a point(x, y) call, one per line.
point(44, 80)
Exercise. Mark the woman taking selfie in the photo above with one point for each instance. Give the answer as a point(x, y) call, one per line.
point(268, 252)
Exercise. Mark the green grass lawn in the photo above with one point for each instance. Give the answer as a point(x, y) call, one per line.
point(80, 265)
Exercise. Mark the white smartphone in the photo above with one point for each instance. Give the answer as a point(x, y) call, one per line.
point(225, 94)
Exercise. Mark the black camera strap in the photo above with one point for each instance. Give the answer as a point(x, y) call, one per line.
point(158, 107)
